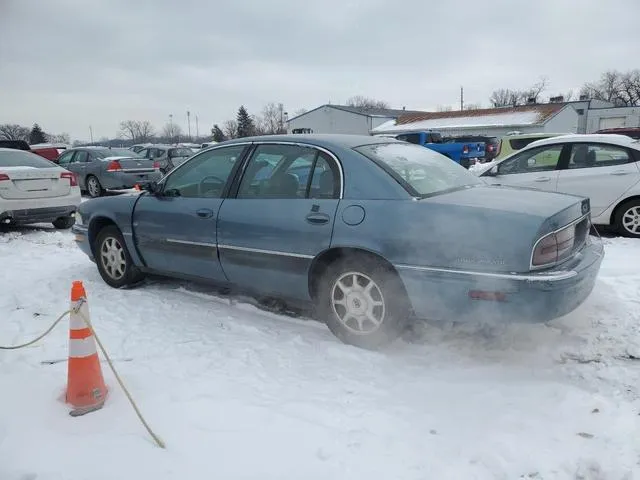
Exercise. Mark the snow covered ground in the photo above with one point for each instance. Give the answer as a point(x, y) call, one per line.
point(236, 392)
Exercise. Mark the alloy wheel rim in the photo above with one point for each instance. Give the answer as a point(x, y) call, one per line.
point(631, 220)
point(113, 258)
point(358, 303)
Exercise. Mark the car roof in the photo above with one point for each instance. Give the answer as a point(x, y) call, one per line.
point(612, 139)
point(326, 140)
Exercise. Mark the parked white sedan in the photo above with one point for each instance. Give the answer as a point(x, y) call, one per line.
point(35, 190)
point(605, 168)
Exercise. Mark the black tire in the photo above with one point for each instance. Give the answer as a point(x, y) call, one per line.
point(96, 192)
point(628, 212)
point(389, 287)
point(108, 238)
point(64, 223)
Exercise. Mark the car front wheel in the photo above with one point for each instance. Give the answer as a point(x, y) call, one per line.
point(114, 262)
point(627, 221)
point(363, 302)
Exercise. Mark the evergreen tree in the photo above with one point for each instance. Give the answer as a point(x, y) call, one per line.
point(218, 134)
point(246, 128)
point(37, 135)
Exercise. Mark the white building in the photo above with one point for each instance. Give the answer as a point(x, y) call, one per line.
point(342, 119)
point(551, 117)
point(614, 117)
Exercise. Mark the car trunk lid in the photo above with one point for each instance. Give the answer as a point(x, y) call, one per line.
point(29, 182)
point(131, 164)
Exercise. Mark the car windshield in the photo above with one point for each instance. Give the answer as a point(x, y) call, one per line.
point(21, 158)
point(180, 152)
point(422, 171)
point(115, 152)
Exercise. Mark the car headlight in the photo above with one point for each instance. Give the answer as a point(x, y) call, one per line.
point(78, 219)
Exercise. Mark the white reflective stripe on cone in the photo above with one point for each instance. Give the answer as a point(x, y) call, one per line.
point(76, 320)
point(82, 348)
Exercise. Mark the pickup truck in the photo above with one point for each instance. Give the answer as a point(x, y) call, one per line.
point(459, 152)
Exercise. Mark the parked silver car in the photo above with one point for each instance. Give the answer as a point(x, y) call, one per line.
point(169, 157)
point(101, 168)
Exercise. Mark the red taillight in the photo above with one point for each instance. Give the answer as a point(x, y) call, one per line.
point(156, 165)
point(73, 182)
point(4, 176)
point(554, 247)
point(114, 166)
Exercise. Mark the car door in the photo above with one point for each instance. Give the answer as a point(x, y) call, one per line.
point(71, 161)
point(600, 171)
point(533, 168)
point(175, 229)
point(278, 218)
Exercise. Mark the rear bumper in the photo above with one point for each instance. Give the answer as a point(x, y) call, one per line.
point(123, 180)
point(36, 215)
point(449, 295)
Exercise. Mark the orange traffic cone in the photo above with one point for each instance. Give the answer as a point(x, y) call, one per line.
point(86, 390)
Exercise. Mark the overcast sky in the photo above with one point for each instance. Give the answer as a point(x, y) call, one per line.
point(68, 64)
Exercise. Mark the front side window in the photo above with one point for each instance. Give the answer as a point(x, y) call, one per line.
point(205, 175)
point(420, 170)
point(585, 155)
point(288, 171)
point(540, 159)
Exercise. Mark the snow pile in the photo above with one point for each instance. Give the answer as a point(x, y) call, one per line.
point(236, 392)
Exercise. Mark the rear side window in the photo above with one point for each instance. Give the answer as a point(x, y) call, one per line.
point(180, 152)
point(597, 155)
point(410, 137)
point(20, 158)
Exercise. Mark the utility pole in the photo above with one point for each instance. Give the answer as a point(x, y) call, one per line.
point(189, 123)
point(461, 98)
point(197, 129)
point(170, 127)
point(91, 133)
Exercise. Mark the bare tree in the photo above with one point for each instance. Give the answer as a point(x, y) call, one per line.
point(171, 131)
point(60, 138)
point(612, 87)
point(472, 106)
point(272, 120)
point(444, 108)
point(366, 103)
point(145, 131)
point(535, 91)
point(230, 128)
point(13, 131)
point(505, 97)
point(136, 130)
point(629, 91)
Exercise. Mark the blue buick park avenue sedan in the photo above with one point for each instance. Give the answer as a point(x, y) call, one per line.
point(370, 231)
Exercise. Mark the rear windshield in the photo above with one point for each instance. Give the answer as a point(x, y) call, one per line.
point(423, 172)
point(115, 152)
point(20, 158)
point(180, 152)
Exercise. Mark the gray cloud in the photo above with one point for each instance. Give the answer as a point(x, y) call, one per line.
point(69, 64)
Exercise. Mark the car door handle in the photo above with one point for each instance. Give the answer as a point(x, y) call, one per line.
point(620, 172)
point(543, 179)
point(318, 218)
point(204, 213)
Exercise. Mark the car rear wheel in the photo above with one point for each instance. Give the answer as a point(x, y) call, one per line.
point(93, 186)
point(114, 262)
point(627, 220)
point(363, 302)
point(63, 223)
